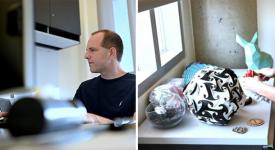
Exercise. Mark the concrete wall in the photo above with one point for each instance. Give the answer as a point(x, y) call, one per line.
point(215, 24)
point(266, 26)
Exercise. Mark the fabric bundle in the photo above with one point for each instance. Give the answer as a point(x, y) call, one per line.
point(214, 95)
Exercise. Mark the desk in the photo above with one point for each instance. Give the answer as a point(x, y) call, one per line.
point(193, 132)
point(87, 137)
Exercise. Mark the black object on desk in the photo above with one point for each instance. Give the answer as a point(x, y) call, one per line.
point(29, 116)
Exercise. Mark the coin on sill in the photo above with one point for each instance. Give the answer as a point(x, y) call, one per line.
point(255, 122)
point(240, 130)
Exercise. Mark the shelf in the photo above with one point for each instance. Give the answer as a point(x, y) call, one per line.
point(192, 131)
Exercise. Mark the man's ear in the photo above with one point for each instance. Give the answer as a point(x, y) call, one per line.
point(113, 52)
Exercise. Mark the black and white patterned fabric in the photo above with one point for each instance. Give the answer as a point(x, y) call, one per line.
point(214, 95)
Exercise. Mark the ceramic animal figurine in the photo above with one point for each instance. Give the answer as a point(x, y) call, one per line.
point(254, 58)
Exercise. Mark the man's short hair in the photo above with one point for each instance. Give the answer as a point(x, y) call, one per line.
point(111, 39)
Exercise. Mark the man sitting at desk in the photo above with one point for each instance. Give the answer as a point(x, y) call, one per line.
point(111, 94)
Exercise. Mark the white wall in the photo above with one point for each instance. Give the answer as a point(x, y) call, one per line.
point(66, 69)
point(266, 26)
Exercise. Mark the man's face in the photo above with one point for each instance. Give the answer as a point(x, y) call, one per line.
point(98, 57)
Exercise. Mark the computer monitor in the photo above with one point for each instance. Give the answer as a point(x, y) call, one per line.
point(16, 46)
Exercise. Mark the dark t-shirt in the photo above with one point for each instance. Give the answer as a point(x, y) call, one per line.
point(109, 98)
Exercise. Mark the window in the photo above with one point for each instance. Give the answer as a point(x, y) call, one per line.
point(159, 42)
point(145, 47)
point(168, 31)
point(119, 16)
point(123, 27)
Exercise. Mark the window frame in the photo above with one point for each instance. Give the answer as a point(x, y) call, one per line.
point(162, 70)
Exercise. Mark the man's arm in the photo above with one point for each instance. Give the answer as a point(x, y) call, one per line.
point(93, 118)
point(3, 114)
point(259, 87)
point(269, 72)
point(267, 91)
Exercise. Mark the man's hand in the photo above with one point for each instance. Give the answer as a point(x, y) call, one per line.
point(269, 72)
point(261, 76)
point(251, 83)
point(3, 114)
point(93, 118)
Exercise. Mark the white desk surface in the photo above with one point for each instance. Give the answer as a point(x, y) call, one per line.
point(85, 138)
point(192, 131)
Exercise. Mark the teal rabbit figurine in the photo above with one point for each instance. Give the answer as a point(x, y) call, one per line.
point(254, 58)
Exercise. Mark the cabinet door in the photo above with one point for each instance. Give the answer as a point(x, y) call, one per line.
point(41, 12)
point(65, 15)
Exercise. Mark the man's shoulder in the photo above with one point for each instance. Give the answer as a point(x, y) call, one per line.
point(130, 76)
point(90, 81)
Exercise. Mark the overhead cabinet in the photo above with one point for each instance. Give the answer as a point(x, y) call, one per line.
point(58, 17)
point(65, 15)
